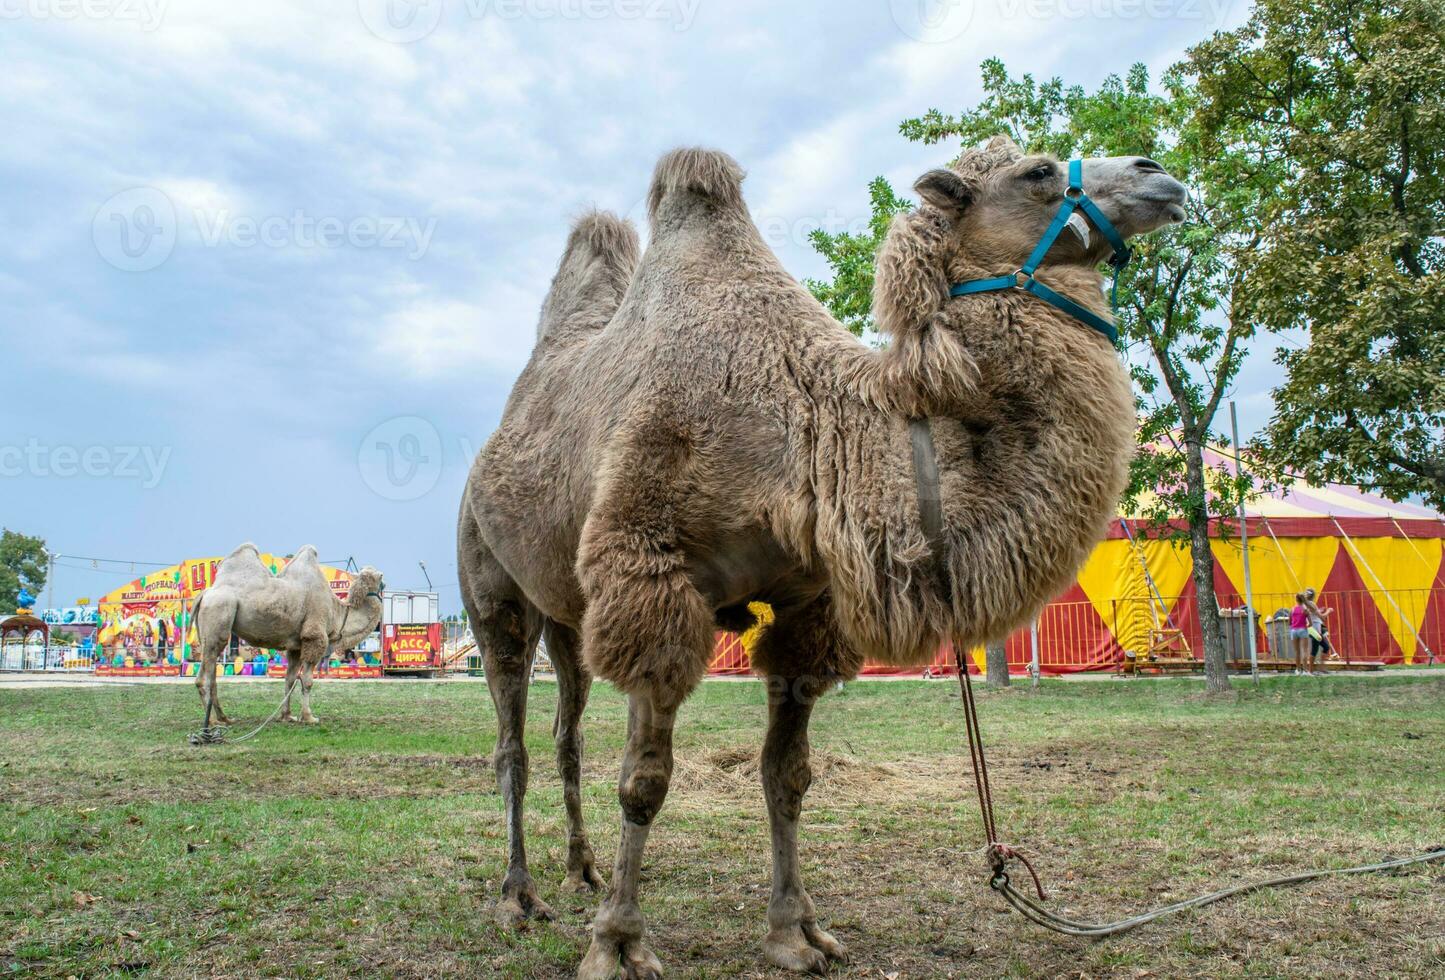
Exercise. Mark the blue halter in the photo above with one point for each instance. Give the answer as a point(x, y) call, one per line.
point(1074, 198)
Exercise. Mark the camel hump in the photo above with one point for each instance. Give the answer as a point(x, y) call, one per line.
point(596, 267)
point(709, 175)
point(604, 236)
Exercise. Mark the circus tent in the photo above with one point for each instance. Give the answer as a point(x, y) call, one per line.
point(1377, 563)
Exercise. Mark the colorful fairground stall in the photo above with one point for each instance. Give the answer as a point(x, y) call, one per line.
point(144, 627)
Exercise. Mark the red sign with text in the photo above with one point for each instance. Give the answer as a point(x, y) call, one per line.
point(411, 646)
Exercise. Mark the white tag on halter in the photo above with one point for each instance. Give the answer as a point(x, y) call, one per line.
point(1079, 225)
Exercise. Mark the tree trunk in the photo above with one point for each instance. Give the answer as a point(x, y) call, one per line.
point(996, 660)
point(1216, 669)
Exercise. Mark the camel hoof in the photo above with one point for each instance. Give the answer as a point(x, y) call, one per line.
point(630, 959)
point(516, 907)
point(313, 720)
point(803, 949)
point(585, 879)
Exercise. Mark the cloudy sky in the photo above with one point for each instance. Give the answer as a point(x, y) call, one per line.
point(269, 268)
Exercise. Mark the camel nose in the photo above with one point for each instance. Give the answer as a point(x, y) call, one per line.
point(1148, 166)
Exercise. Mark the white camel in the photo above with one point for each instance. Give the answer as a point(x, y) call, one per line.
point(295, 611)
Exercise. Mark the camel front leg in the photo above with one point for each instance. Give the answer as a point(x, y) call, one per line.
point(293, 672)
point(646, 773)
point(794, 941)
point(307, 718)
point(573, 686)
point(214, 709)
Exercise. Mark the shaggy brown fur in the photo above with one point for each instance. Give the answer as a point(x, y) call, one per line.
point(723, 440)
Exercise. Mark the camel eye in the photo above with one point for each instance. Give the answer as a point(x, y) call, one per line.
point(1039, 173)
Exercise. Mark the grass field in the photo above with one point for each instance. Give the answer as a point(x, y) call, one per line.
point(373, 843)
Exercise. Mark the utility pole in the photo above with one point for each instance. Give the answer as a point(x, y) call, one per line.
point(1244, 543)
point(49, 603)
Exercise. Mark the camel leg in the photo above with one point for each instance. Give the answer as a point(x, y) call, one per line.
point(507, 650)
point(802, 654)
point(293, 672)
point(646, 773)
point(574, 684)
point(206, 683)
point(794, 941)
point(307, 718)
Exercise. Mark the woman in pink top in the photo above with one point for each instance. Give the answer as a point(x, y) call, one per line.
point(1299, 632)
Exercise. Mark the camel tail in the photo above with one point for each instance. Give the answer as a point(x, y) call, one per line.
point(708, 176)
point(596, 267)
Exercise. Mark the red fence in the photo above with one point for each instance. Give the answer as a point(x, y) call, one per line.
point(1080, 635)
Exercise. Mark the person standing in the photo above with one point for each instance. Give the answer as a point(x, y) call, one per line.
point(1319, 635)
point(1299, 632)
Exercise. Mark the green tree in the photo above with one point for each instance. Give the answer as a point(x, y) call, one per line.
point(22, 566)
point(1346, 100)
point(1184, 335)
point(849, 294)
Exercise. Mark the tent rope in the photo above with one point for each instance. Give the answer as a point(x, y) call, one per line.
point(1298, 586)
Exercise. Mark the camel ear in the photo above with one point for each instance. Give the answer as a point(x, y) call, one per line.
point(945, 190)
point(1002, 143)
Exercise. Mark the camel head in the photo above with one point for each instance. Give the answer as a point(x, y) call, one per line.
point(366, 589)
point(1001, 200)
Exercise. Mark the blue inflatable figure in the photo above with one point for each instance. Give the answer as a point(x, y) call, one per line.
point(25, 600)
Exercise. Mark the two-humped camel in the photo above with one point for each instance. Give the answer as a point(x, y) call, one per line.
point(694, 432)
point(295, 611)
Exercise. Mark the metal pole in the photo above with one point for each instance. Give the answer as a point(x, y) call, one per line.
point(1034, 644)
point(50, 603)
point(1244, 543)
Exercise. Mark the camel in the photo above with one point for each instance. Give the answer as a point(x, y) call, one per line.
point(295, 611)
point(695, 432)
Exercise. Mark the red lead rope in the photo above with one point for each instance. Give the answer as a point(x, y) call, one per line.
point(999, 853)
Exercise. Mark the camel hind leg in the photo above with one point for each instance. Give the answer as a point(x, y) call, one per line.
point(506, 628)
point(573, 686)
point(801, 654)
point(213, 634)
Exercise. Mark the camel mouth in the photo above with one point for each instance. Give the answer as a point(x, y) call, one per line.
point(1175, 212)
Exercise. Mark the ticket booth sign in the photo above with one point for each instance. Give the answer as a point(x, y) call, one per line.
point(411, 646)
